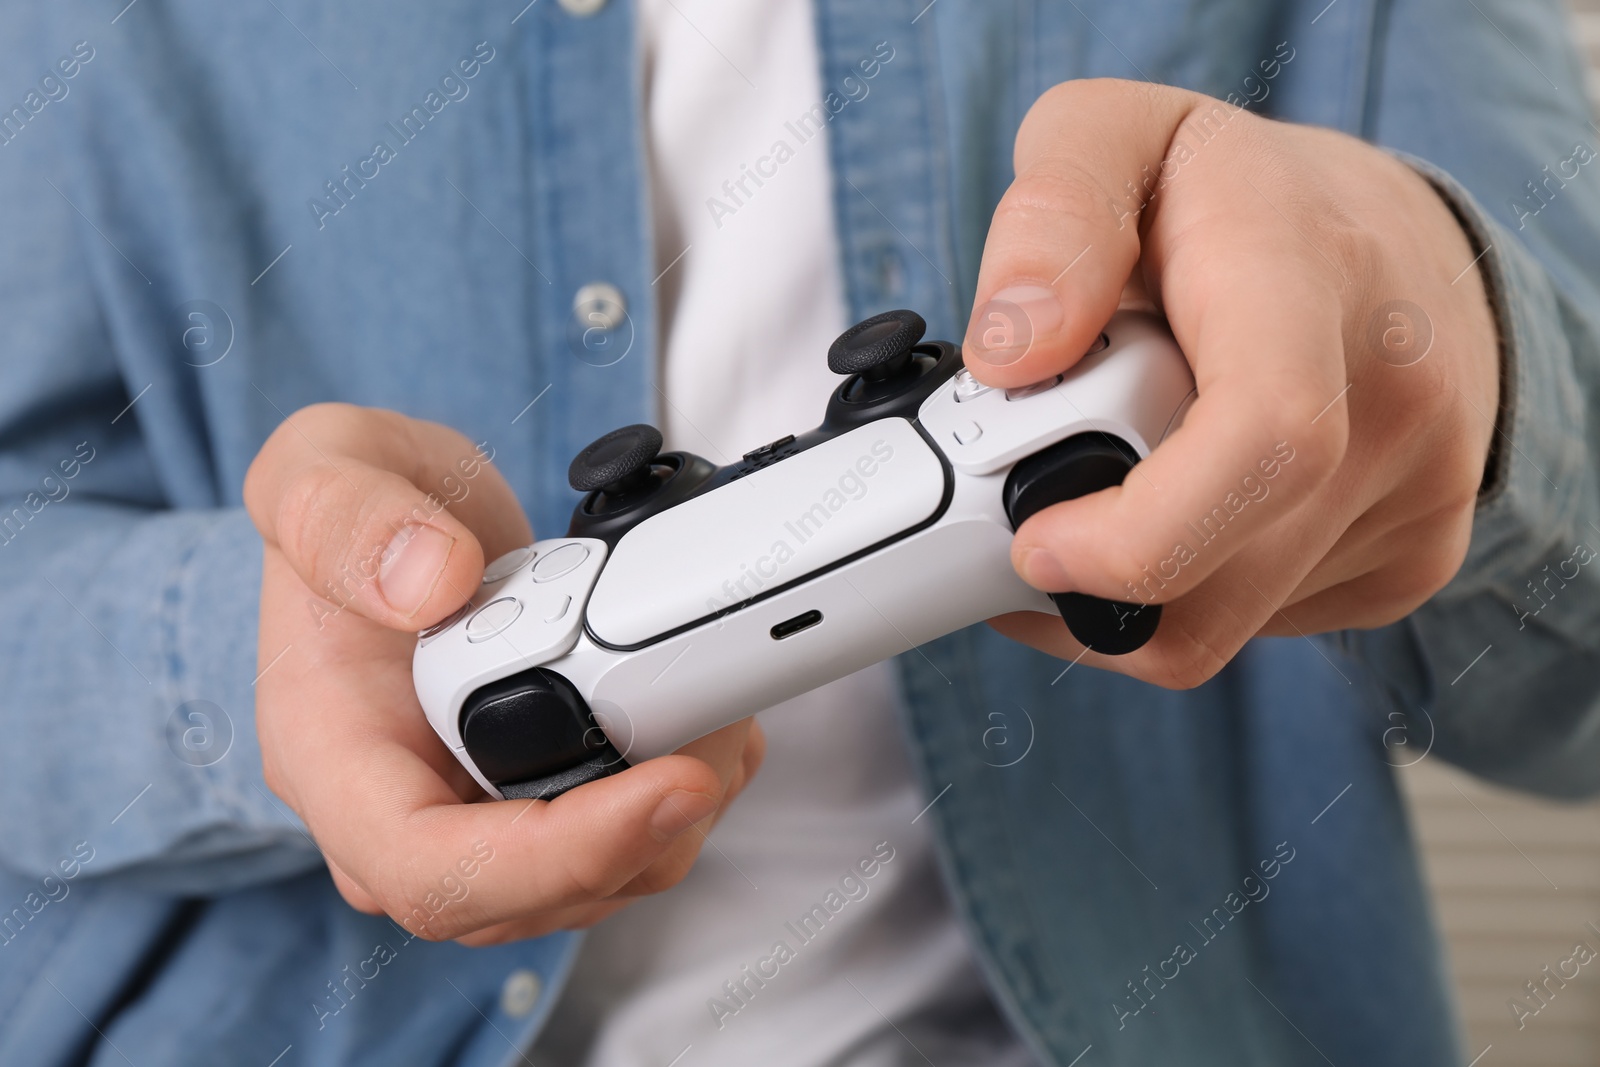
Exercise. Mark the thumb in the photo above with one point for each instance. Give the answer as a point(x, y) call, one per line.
point(1065, 237)
point(390, 516)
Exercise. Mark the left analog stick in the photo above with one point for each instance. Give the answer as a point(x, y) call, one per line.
point(616, 463)
point(879, 348)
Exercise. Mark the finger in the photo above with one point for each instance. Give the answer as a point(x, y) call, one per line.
point(1202, 631)
point(1378, 596)
point(581, 917)
point(357, 897)
point(751, 759)
point(1385, 538)
point(728, 750)
point(395, 825)
point(1066, 234)
point(389, 516)
point(1259, 440)
point(583, 847)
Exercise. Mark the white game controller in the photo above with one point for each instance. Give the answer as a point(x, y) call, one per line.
point(687, 596)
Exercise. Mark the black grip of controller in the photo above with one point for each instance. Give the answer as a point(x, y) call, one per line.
point(532, 735)
point(1072, 468)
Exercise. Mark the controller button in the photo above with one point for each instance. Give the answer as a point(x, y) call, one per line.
point(1101, 343)
point(968, 387)
point(1023, 392)
point(618, 463)
point(558, 612)
point(563, 560)
point(493, 618)
point(507, 565)
point(440, 627)
point(967, 433)
point(756, 455)
point(879, 348)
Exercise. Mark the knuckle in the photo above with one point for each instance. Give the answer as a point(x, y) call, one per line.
point(1205, 640)
point(272, 775)
point(355, 897)
point(1436, 568)
point(1132, 568)
point(435, 929)
point(1300, 417)
point(285, 441)
point(442, 924)
point(666, 872)
point(306, 512)
point(1351, 245)
point(488, 938)
point(1195, 660)
point(589, 880)
point(1053, 191)
point(1082, 96)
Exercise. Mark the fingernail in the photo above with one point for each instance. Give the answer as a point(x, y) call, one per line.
point(678, 811)
point(412, 565)
point(1005, 327)
point(1043, 571)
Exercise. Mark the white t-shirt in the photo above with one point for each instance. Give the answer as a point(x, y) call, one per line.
point(814, 928)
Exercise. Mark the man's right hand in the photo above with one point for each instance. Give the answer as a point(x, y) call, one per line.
point(375, 527)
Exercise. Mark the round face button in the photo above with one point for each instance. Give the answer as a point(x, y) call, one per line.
point(968, 387)
point(507, 565)
point(1023, 392)
point(493, 618)
point(563, 560)
point(440, 627)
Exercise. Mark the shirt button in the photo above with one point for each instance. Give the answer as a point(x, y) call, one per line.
point(600, 332)
point(600, 304)
point(582, 8)
point(519, 993)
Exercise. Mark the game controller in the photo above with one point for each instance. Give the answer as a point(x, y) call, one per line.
point(686, 596)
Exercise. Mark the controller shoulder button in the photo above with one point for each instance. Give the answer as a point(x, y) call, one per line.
point(492, 619)
point(562, 561)
point(768, 450)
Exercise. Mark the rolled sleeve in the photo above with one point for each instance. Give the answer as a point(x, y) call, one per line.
point(130, 713)
point(1500, 671)
point(1539, 492)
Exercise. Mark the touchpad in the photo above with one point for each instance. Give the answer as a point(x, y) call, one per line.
point(767, 530)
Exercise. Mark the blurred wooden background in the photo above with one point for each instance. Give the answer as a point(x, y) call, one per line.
point(1516, 880)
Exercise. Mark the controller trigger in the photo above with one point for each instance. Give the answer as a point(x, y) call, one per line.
point(532, 735)
point(1069, 469)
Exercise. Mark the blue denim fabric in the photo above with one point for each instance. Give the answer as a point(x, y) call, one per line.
point(178, 165)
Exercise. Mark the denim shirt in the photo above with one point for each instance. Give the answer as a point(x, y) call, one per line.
point(201, 234)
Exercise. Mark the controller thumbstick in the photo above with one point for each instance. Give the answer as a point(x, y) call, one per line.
point(616, 463)
point(878, 348)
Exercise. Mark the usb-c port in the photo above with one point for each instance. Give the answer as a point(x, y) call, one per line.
point(793, 626)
